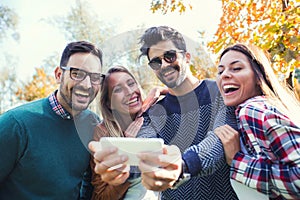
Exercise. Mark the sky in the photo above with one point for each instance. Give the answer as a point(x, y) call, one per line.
point(38, 40)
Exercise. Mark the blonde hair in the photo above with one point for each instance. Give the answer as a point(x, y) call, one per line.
point(279, 94)
point(109, 117)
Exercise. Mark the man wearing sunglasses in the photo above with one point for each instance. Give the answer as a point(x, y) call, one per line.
point(43, 153)
point(192, 165)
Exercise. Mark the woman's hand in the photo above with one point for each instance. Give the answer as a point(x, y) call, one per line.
point(230, 139)
point(133, 129)
point(160, 171)
point(153, 96)
point(109, 165)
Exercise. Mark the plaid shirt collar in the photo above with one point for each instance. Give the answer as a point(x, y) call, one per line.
point(57, 108)
point(260, 98)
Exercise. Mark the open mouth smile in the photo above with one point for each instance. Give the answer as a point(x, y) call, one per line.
point(132, 101)
point(230, 88)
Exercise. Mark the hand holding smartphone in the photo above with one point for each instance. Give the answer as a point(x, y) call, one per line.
point(132, 146)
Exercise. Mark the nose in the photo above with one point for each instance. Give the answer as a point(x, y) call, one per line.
point(128, 90)
point(164, 63)
point(226, 74)
point(86, 83)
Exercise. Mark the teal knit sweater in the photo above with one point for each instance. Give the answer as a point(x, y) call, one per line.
point(43, 156)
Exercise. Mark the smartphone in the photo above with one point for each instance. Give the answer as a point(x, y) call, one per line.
point(132, 146)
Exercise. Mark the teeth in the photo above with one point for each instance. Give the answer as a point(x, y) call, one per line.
point(168, 73)
point(132, 101)
point(81, 93)
point(229, 87)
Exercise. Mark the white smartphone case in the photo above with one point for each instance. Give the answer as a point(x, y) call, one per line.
point(132, 146)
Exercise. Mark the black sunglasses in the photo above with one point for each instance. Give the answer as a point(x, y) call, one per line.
point(168, 56)
point(79, 75)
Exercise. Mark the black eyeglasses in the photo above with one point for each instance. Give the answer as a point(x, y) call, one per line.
point(169, 56)
point(79, 75)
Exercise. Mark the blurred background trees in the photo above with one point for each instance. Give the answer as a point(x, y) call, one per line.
point(272, 25)
point(8, 23)
point(41, 85)
point(8, 86)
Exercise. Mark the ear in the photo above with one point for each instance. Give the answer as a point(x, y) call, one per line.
point(187, 57)
point(58, 74)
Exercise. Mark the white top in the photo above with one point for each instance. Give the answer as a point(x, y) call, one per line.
point(244, 192)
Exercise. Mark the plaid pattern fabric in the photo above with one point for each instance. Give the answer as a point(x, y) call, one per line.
point(272, 141)
point(57, 108)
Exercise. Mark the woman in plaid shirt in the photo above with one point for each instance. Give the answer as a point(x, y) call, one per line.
point(265, 155)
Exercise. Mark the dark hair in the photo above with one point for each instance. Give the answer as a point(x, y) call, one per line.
point(79, 47)
point(154, 35)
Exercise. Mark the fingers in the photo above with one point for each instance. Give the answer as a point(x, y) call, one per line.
point(156, 182)
point(160, 171)
point(111, 161)
point(151, 98)
point(164, 90)
point(149, 101)
point(229, 129)
point(94, 146)
point(171, 157)
point(116, 176)
point(109, 165)
point(156, 178)
point(134, 127)
point(100, 153)
point(230, 140)
point(225, 133)
point(107, 158)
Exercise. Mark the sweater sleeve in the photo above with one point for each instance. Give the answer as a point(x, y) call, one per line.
point(208, 156)
point(12, 143)
point(146, 131)
point(102, 190)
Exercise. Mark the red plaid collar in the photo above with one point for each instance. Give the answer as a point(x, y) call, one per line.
point(57, 108)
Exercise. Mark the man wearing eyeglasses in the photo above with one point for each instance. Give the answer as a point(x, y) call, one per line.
point(43, 153)
point(192, 165)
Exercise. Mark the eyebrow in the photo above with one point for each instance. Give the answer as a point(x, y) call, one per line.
point(120, 85)
point(232, 63)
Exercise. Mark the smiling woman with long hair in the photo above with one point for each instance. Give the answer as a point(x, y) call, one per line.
point(121, 107)
point(265, 155)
